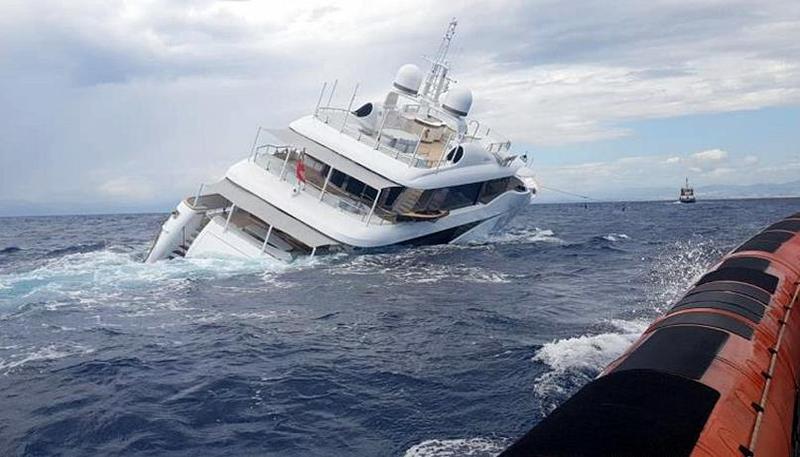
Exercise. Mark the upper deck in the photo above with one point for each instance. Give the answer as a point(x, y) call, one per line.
point(415, 133)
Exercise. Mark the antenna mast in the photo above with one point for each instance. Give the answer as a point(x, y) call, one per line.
point(437, 81)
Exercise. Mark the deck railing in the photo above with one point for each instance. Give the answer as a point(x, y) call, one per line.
point(410, 152)
point(281, 161)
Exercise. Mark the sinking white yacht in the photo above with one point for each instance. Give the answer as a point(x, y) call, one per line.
point(410, 168)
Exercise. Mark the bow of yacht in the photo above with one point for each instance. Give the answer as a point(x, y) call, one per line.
point(410, 168)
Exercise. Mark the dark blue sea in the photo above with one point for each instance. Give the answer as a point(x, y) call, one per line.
point(438, 351)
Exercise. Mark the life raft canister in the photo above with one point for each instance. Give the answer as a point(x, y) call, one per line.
point(717, 375)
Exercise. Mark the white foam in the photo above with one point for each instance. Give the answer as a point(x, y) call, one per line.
point(592, 352)
point(95, 277)
point(405, 267)
point(614, 237)
point(46, 353)
point(521, 236)
point(576, 360)
point(678, 266)
point(464, 447)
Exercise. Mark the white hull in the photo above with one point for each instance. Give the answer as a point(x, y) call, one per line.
point(219, 236)
point(411, 168)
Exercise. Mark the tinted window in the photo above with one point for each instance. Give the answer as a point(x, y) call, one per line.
point(316, 171)
point(354, 186)
point(492, 189)
point(338, 178)
point(462, 196)
point(370, 193)
point(448, 198)
point(365, 110)
point(390, 195)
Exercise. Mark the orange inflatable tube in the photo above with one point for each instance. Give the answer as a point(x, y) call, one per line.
point(717, 375)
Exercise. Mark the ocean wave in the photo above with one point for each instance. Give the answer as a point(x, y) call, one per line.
point(528, 235)
point(95, 276)
point(77, 249)
point(615, 237)
point(675, 268)
point(10, 250)
point(14, 362)
point(465, 447)
point(574, 361)
point(417, 266)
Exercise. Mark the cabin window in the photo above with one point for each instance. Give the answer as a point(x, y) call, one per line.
point(354, 186)
point(390, 196)
point(338, 178)
point(492, 189)
point(452, 198)
point(364, 110)
point(370, 193)
point(448, 198)
point(316, 171)
point(462, 196)
point(455, 154)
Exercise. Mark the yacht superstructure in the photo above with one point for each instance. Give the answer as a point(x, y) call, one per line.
point(410, 168)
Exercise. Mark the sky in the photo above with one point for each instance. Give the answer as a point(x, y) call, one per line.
point(130, 105)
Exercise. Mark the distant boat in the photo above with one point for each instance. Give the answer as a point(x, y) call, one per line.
point(687, 193)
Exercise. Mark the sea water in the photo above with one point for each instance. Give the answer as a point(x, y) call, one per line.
point(450, 350)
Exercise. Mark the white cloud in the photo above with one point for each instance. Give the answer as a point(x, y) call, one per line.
point(704, 168)
point(170, 88)
point(710, 155)
point(127, 187)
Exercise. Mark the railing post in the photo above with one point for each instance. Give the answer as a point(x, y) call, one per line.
point(319, 100)
point(285, 161)
point(374, 204)
point(446, 146)
point(228, 220)
point(197, 197)
point(349, 107)
point(414, 156)
point(255, 141)
point(330, 97)
point(416, 149)
point(380, 130)
point(325, 185)
point(266, 239)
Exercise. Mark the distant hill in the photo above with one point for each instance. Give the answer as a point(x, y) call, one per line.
point(762, 190)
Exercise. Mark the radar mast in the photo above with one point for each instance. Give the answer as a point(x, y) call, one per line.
point(437, 81)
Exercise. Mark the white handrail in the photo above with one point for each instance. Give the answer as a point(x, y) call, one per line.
point(349, 107)
point(319, 100)
point(333, 90)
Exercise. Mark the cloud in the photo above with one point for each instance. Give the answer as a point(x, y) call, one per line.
point(169, 89)
point(704, 168)
point(127, 187)
point(710, 155)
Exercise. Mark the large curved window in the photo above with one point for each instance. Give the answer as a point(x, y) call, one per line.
point(401, 200)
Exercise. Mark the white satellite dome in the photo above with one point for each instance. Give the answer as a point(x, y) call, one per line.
point(458, 101)
point(408, 78)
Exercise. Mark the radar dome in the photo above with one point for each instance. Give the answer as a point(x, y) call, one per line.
point(458, 101)
point(408, 78)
